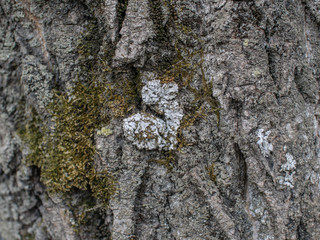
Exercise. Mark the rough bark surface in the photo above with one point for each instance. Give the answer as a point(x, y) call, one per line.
point(227, 149)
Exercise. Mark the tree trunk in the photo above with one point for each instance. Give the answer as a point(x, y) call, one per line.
point(159, 119)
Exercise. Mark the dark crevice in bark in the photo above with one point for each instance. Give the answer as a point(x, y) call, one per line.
point(311, 25)
point(298, 79)
point(121, 14)
point(237, 106)
point(304, 84)
point(211, 221)
point(302, 233)
point(38, 186)
point(34, 211)
point(35, 191)
point(167, 206)
point(154, 113)
point(2, 12)
point(14, 164)
point(272, 57)
point(228, 194)
point(271, 60)
point(56, 84)
point(307, 5)
point(119, 150)
point(138, 208)
point(156, 16)
point(247, 16)
point(161, 42)
point(109, 220)
point(83, 5)
point(135, 76)
point(242, 173)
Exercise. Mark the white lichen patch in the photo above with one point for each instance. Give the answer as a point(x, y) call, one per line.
point(265, 146)
point(159, 95)
point(290, 164)
point(145, 131)
point(150, 132)
point(289, 169)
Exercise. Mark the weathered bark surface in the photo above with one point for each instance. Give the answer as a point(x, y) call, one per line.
point(261, 60)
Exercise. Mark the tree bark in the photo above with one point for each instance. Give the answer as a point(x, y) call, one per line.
point(204, 115)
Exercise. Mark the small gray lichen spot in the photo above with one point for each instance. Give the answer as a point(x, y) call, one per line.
point(288, 168)
point(150, 132)
point(265, 147)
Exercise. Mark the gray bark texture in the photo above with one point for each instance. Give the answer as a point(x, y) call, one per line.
point(205, 118)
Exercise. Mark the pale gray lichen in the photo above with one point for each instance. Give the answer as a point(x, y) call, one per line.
point(159, 95)
point(265, 146)
point(149, 132)
point(288, 168)
point(145, 131)
point(36, 80)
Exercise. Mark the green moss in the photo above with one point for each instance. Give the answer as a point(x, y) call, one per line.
point(121, 11)
point(88, 48)
point(65, 153)
point(70, 145)
point(98, 183)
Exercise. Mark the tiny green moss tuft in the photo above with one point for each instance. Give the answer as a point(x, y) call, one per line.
point(104, 132)
point(211, 173)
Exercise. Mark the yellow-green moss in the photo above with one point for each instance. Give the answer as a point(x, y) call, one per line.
point(71, 148)
point(65, 152)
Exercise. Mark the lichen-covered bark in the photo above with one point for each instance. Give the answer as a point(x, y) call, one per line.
point(212, 118)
